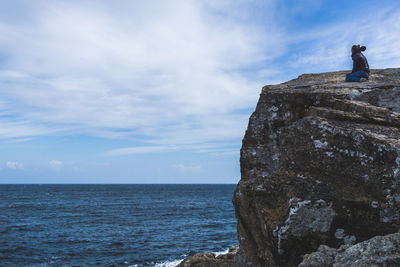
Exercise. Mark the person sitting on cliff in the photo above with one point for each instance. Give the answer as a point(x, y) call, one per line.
point(360, 71)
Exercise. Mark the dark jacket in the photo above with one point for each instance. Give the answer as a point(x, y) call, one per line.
point(359, 62)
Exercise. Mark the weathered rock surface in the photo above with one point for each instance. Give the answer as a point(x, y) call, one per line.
point(380, 251)
point(210, 259)
point(320, 165)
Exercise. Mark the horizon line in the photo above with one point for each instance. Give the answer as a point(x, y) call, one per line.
point(114, 183)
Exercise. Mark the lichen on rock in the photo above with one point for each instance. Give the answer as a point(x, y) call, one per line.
point(376, 252)
point(305, 218)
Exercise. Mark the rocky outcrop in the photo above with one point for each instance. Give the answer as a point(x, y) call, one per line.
point(375, 252)
point(211, 259)
point(320, 165)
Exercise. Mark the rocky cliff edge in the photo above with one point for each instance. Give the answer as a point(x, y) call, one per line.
point(320, 175)
point(320, 165)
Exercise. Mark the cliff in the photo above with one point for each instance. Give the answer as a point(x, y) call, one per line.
point(320, 165)
point(320, 175)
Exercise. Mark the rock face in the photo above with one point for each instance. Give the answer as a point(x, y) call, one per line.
point(210, 259)
point(320, 165)
point(375, 252)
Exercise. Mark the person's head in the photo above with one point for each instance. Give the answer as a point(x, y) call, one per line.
point(357, 48)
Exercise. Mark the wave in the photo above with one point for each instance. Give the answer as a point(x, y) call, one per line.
point(162, 264)
point(221, 252)
point(168, 263)
point(176, 262)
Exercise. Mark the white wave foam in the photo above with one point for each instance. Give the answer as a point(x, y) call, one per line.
point(176, 262)
point(168, 263)
point(221, 252)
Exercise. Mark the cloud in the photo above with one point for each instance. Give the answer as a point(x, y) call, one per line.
point(328, 47)
point(187, 168)
point(137, 150)
point(55, 164)
point(14, 165)
point(19, 140)
point(174, 74)
point(218, 148)
point(156, 69)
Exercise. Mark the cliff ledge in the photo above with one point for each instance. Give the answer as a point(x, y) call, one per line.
point(320, 165)
point(320, 175)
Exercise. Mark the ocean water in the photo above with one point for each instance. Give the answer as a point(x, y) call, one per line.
point(113, 225)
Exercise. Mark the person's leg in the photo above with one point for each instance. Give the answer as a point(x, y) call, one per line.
point(356, 76)
point(364, 76)
point(352, 77)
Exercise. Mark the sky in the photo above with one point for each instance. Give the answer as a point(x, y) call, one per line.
point(161, 91)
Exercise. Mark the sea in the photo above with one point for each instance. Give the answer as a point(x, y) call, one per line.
point(113, 225)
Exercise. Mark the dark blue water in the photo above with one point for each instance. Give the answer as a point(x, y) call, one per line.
point(113, 225)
